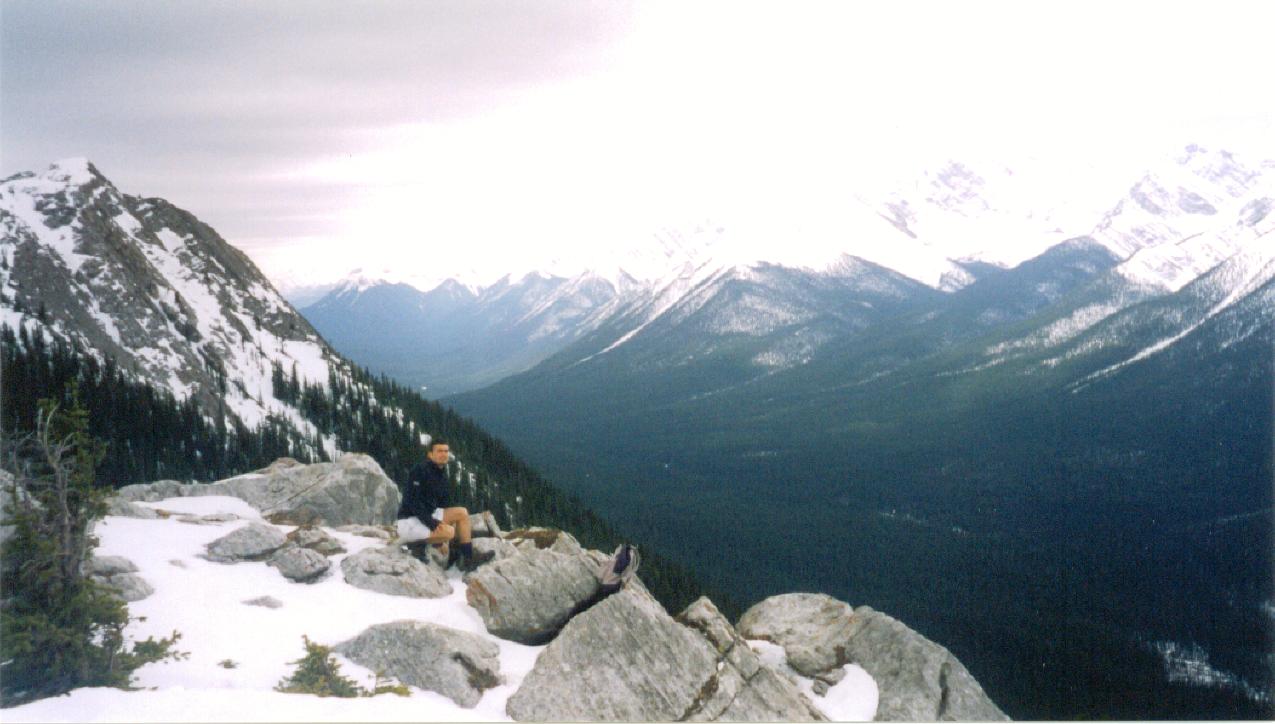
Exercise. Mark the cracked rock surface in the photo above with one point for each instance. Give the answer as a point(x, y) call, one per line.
point(456, 664)
point(527, 597)
point(626, 659)
point(917, 679)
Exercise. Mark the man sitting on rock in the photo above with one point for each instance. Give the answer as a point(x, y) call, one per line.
point(427, 498)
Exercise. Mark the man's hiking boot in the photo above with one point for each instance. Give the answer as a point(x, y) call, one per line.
point(471, 559)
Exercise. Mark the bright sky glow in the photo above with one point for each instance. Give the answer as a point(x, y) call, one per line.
point(461, 139)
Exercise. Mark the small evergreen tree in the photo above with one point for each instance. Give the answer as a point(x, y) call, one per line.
point(58, 629)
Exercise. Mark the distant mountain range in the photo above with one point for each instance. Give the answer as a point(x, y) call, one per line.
point(1174, 225)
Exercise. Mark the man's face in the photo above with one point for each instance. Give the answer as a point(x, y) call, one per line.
point(439, 454)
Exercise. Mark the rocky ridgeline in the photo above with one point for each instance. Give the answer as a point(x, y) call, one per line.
point(622, 659)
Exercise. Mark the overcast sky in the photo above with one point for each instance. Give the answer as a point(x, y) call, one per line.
point(324, 136)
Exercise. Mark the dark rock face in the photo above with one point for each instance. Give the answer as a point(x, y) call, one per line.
point(528, 596)
point(917, 679)
point(458, 665)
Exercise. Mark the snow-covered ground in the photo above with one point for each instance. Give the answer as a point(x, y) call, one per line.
point(239, 652)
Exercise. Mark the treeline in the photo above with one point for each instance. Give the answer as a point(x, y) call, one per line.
point(150, 435)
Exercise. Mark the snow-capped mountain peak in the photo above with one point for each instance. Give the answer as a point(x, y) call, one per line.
point(145, 284)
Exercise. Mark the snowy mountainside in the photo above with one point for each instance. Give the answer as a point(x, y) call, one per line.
point(1183, 218)
point(155, 291)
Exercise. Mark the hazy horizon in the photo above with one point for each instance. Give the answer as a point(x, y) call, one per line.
point(482, 139)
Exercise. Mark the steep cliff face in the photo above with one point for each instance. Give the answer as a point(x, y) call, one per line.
point(150, 287)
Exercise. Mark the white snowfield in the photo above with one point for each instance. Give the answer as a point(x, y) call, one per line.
point(238, 653)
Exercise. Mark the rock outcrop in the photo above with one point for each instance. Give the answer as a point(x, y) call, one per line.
point(917, 679)
point(626, 659)
point(527, 597)
point(391, 570)
point(354, 490)
point(744, 689)
point(458, 665)
point(813, 628)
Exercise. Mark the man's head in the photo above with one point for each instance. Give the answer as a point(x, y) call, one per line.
point(439, 452)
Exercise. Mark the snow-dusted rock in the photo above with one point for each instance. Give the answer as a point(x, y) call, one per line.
point(813, 628)
point(315, 539)
point(253, 542)
point(529, 596)
point(918, 680)
point(743, 689)
point(458, 665)
point(391, 570)
point(302, 565)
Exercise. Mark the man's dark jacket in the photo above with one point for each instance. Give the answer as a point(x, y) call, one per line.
point(427, 489)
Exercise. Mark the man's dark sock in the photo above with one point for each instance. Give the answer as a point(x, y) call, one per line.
point(467, 550)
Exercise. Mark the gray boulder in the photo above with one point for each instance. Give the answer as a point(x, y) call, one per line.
point(129, 587)
point(917, 679)
point(302, 565)
point(159, 490)
point(253, 542)
point(483, 525)
point(624, 659)
point(125, 509)
point(742, 689)
point(315, 539)
point(393, 571)
point(118, 574)
point(107, 566)
point(352, 490)
point(458, 665)
point(529, 596)
point(813, 628)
